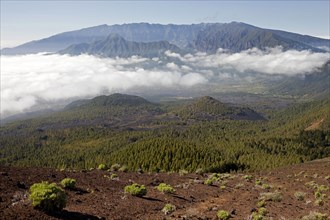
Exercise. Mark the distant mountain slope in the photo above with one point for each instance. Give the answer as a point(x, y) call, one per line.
point(314, 85)
point(208, 108)
point(239, 36)
point(204, 37)
point(301, 116)
point(109, 111)
point(305, 39)
point(179, 35)
point(115, 45)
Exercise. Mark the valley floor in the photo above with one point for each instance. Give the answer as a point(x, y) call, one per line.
point(99, 197)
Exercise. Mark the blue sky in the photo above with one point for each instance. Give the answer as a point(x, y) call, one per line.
point(23, 21)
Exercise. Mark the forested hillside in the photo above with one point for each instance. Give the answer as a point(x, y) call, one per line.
point(134, 132)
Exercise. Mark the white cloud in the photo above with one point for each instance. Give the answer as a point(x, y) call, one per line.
point(28, 80)
point(172, 66)
point(270, 61)
point(172, 54)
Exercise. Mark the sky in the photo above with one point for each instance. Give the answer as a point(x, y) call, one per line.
point(24, 21)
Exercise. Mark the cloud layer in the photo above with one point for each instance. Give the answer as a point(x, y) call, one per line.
point(28, 80)
point(270, 61)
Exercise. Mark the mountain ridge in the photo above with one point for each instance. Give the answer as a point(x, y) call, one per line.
point(181, 35)
point(115, 45)
point(237, 36)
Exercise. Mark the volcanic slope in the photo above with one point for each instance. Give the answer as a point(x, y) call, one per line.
point(287, 192)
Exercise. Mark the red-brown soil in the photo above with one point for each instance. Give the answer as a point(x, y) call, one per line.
point(99, 197)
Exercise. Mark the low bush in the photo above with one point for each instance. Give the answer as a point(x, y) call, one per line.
point(208, 182)
point(163, 187)
point(248, 177)
point(114, 176)
point(266, 186)
point(271, 196)
point(319, 202)
point(123, 168)
point(262, 211)
point(223, 215)
point(115, 167)
point(200, 171)
point(102, 167)
point(168, 209)
point(68, 183)
point(239, 185)
point(256, 216)
point(215, 177)
point(316, 216)
point(261, 203)
point(136, 190)
point(47, 197)
point(322, 188)
point(258, 182)
point(300, 196)
point(183, 172)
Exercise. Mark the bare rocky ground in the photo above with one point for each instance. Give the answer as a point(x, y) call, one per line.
point(99, 197)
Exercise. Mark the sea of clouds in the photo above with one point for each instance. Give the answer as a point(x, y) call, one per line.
point(28, 80)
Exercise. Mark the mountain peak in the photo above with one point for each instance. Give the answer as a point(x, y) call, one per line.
point(113, 100)
point(209, 108)
point(118, 99)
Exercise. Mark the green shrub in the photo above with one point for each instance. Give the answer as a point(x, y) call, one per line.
point(266, 186)
point(212, 178)
point(315, 216)
point(200, 171)
point(225, 176)
point(248, 177)
point(208, 182)
point(319, 202)
point(47, 196)
point(115, 167)
point(257, 216)
point(271, 196)
point(68, 183)
point(102, 167)
point(261, 203)
point(262, 211)
point(168, 209)
point(319, 195)
point(300, 196)
point(223, 215)
point(183, 172)
point(163, 187)
point(322, 188)
point(123, 168)
point(239, 185)
point(136, 190)
point(114, 176)
point(258, 182)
